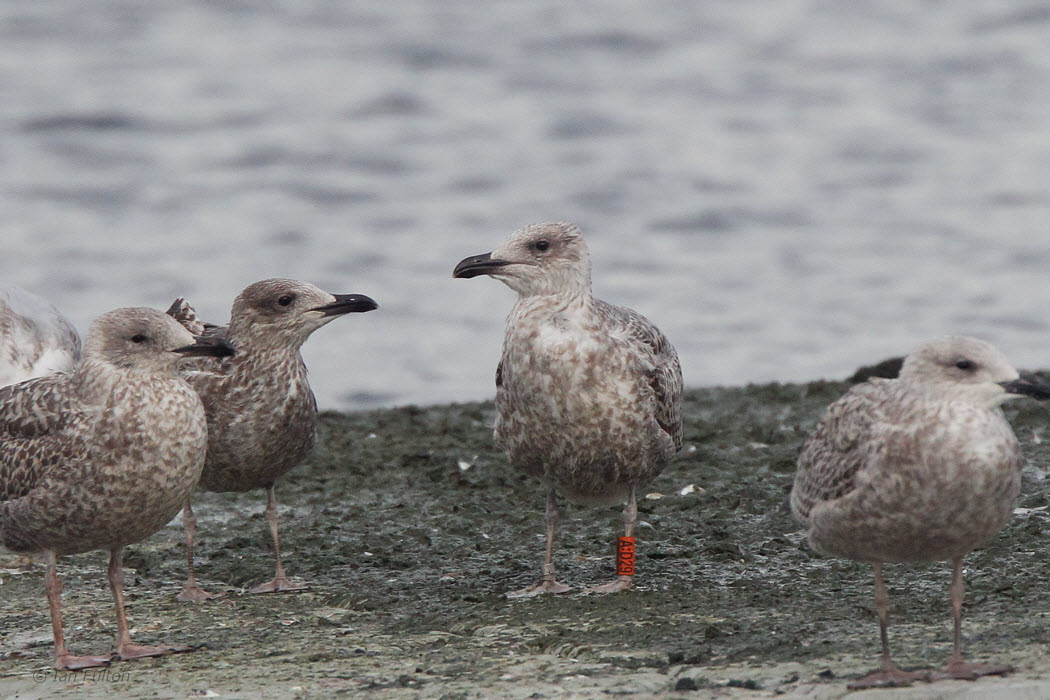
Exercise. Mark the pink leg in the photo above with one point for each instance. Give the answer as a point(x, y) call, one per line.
point(549, 584)
point(957, 666)
point(280, 581)
point(630, 518)
point(64, 661)
point(124, 648)
point(890, 675)
point(191, 592)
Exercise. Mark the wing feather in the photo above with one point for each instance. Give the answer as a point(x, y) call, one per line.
point(840, 446)
point(186, 315)
point(660, 362)
point(35, 436)
point(37, 407)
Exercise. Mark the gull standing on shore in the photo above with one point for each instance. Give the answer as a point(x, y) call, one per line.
point(104, 456)
point(35, 338)
point(920, 468)
point(588, 394)
point(262, 415)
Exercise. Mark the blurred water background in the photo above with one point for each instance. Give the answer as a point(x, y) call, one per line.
point(788, 189)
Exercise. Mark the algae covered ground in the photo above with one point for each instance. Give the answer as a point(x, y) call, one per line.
point(410, 526)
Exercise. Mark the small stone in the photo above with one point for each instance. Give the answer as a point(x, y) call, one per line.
point(685, 684)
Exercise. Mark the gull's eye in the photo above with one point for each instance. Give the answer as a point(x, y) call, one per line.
point(542, 245)
point(139, 338)
point(966, 365)
point(286, 299)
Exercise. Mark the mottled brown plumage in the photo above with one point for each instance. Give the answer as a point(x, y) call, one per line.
point(588, 394)
point(103, 456)
point(262, 416)
point(920, 468)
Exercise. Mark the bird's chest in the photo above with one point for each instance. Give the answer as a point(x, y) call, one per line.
point(554, 353)
point(263, 418)
point(559, 365)
point(567, 387)
point(961, 470)
point(152, 436)
point(972, 451)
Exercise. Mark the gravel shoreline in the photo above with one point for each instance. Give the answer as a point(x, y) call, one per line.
point(410, 526)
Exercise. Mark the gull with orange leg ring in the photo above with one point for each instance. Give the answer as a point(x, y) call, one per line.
point(588, 394)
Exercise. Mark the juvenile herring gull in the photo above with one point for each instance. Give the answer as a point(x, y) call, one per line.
point(35, 338)
point(920, 468)
point(588, 394)
point(262, 416)
point(103, 456)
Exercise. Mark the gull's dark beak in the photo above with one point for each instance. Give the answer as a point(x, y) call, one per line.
point(210, 346)
point(476, 265)
point(1028, 385)
point(347, 304)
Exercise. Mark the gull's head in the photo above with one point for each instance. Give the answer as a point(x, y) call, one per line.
point(540, 259)
point(285, 312)
point(969, 369)
point(146, 339)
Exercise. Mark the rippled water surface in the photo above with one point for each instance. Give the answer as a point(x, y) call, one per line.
point(788, 189)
